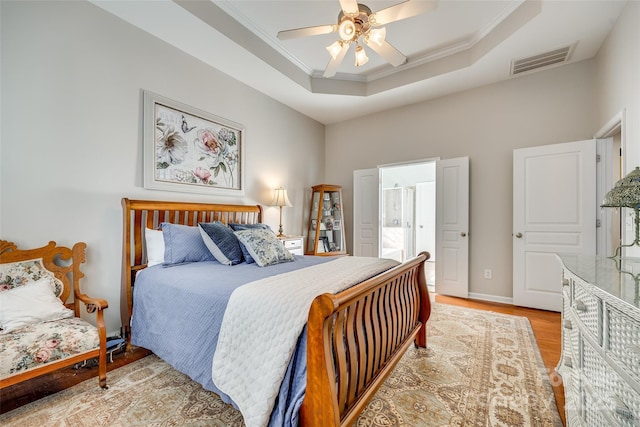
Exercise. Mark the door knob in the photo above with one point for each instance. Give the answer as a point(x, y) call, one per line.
point(518, 235)
point(463, 234)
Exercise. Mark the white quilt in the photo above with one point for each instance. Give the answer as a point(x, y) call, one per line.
point(261, 326)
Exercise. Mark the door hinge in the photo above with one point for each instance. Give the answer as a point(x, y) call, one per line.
point(598, 158)
point(598, 223)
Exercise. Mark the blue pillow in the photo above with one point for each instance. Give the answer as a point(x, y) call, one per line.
point(221, 242)
point(237, 227)
point(183, 244)
point(264, 246)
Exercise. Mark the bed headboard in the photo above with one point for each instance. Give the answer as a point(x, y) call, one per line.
point(141, 214)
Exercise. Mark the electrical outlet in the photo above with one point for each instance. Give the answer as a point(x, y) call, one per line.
point(488, 274)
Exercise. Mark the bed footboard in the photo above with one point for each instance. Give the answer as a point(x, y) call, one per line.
point(356, 338)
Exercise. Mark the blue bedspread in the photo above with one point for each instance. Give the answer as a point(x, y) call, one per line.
point(177, 313)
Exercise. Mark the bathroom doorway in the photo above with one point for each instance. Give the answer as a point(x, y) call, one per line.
point(408, 209)
point(440, 217)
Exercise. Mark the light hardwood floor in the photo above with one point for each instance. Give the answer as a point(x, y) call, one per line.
point(545, 324)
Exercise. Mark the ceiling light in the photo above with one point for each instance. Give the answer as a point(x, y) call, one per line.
point(361, 56)
point(335, 49)
point(356, 24)
point(347, 30)
point(377, 35)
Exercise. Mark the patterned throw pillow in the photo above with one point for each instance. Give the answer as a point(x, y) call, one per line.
point(183, 244)
point(237, 227)
point(221, 242)
point(264, 246)
point(15, 274)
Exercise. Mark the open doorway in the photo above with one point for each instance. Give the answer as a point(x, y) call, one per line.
point(440, 204)
point(614, 226)
point(408, 212)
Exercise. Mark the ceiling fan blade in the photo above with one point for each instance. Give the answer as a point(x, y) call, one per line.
point(404, 10)
point(349, 7)
point(307, 31)
point(333, 65)
point(388, 52)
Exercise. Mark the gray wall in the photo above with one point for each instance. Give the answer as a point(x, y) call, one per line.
point(618, 94)
point(563, 104)
point(486, 124)
point(618, 81)
point(72, 76)
point(71, 140)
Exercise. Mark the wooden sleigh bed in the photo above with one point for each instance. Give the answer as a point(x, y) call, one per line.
point(355, 337)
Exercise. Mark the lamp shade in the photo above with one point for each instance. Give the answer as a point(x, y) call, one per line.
point(334, 49)
point(361, 56)
point(626, 192)
point(280, 198)
point(377, 35)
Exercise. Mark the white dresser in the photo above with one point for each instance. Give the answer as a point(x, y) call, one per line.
point(600, 363)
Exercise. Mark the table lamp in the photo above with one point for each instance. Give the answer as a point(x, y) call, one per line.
point(280, 199)
point(626, 194)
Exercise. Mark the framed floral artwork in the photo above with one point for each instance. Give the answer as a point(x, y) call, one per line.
point(190, 150)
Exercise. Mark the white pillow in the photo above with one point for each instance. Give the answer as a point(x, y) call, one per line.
point(30, 304)
point(155, 247)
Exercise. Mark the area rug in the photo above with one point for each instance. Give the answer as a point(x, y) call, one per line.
point(479, 369)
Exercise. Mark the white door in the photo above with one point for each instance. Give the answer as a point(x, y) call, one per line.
point(554, 208)
point(452, 227)
point(426, 218)
point(366, 194)
point(409, 202)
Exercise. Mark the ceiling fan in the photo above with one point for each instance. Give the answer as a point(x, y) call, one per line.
point(357, 22)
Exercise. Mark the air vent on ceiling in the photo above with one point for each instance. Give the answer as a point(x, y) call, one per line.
point(543, 60)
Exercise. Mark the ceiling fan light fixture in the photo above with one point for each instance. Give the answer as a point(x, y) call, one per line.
point(334, 49)
point(361, 56)
point(377, 35)
point(355, 24)
point(347, 29)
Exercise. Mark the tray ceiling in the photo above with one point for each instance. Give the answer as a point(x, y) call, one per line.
point(458, 45)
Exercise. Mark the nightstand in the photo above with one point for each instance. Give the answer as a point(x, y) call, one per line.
point(295, 244)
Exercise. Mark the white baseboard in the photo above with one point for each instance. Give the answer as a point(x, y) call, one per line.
point(480, 297)
point(491, 298)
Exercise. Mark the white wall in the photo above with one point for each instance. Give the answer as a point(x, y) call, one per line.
point(618, 80)
point(486, 124)
point(71, 142)
point(618, 85)
point(408, 175)
point(71, 134)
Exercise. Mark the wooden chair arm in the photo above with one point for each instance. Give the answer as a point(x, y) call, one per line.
point(92, 304)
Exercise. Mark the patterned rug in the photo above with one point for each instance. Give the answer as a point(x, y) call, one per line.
point(480, 369)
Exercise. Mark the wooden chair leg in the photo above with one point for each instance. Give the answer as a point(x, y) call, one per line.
point(102, 371)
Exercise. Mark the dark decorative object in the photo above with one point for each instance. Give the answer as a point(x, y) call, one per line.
point(626, 194)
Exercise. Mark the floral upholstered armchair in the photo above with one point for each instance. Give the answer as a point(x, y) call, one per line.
point(40, 303)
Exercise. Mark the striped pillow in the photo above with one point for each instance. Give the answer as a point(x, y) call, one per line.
point(221, 242)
